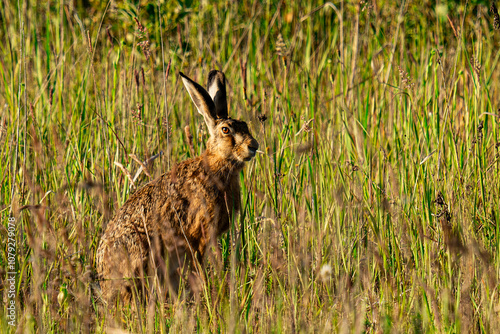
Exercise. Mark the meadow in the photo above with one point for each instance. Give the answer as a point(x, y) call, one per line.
point(373, 206)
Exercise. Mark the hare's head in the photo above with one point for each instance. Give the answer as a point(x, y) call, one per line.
point(230, 139)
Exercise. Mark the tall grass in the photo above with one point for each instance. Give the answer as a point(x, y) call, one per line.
point(374, 207)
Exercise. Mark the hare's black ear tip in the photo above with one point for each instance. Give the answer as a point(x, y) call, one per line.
point(214, 73)
point(211, 75)
point(185, 78)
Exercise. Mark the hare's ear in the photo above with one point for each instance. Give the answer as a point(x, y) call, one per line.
point(202, 101)
point(217, 89)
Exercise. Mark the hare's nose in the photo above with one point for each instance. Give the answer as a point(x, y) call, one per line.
point(253, 146)
point(252, 150)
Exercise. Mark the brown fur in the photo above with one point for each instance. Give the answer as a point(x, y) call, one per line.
point(167, 224)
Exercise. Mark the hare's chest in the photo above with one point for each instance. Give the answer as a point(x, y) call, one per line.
point(229, 205)
point(209, 214)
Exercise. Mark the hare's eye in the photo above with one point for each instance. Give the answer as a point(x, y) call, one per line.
point(225, 130)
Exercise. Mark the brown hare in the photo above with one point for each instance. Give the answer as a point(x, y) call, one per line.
point(168, 224)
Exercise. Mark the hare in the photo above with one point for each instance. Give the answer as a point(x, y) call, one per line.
point(167, 225)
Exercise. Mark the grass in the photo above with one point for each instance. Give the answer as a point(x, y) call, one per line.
point(375, 206)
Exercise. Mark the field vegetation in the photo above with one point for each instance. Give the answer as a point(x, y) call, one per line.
point(374, 205)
